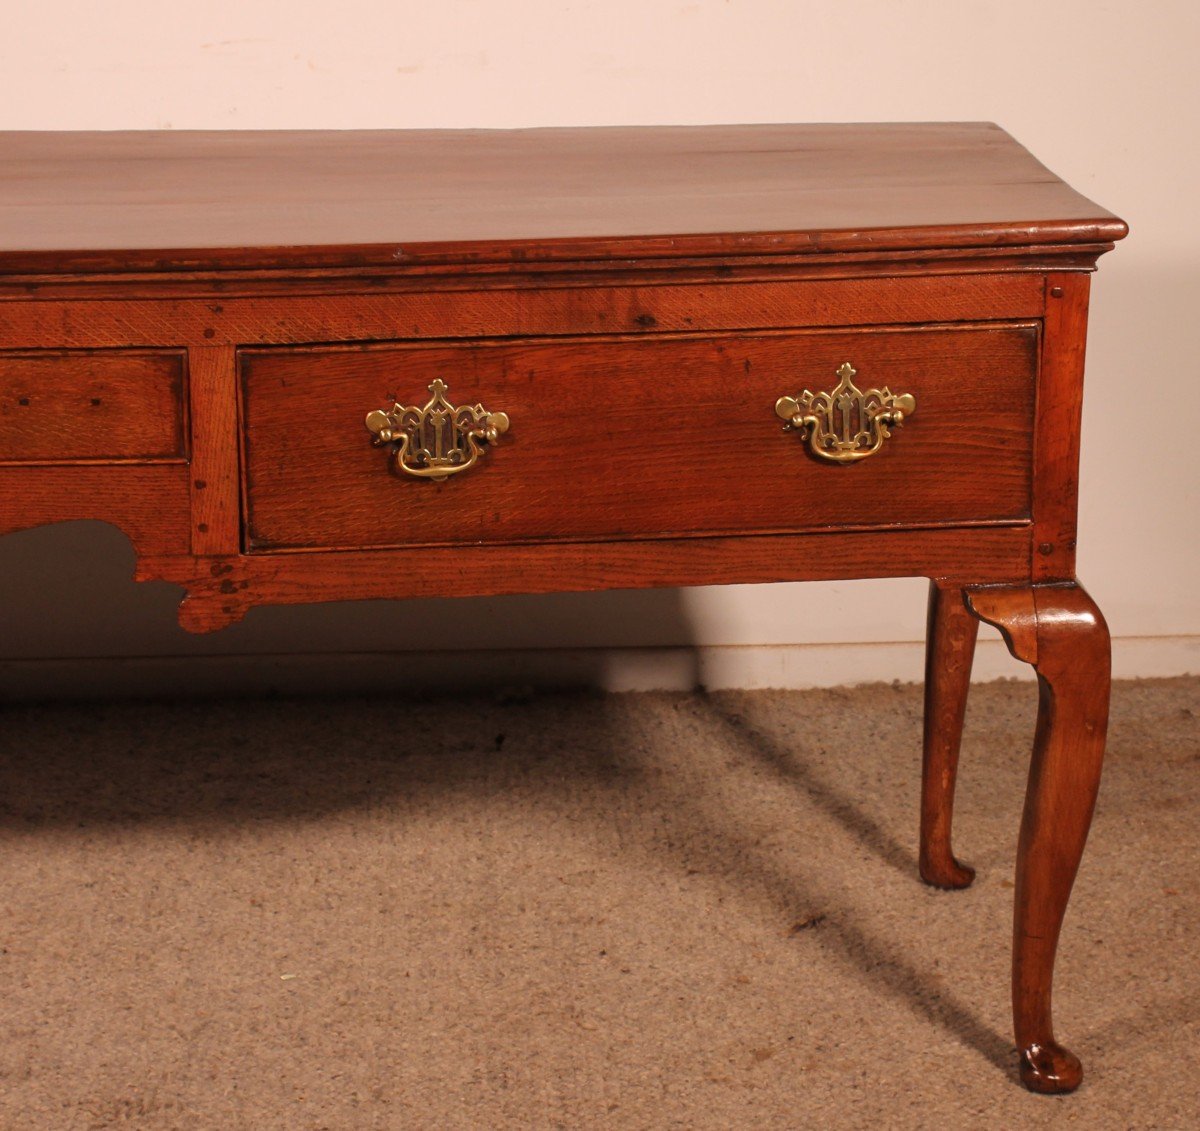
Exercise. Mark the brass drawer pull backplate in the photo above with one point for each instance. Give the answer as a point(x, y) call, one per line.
point(436, 440)
point(846, 424)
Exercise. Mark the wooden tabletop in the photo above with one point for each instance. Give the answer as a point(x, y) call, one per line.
point(176, 200)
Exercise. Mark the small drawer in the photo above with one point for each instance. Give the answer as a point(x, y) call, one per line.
point(69, 406)
point(616, 438)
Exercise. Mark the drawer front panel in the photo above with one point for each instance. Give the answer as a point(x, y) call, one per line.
point(66, 406)
point(646, 437)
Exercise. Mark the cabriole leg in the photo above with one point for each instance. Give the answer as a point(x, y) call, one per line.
point(1060, 631)
point(949, 651)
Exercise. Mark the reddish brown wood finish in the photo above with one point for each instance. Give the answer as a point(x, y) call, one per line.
point(916, 270)
point(456, 308)
point(216, 518)
point(65, 406)
point(638, 299)
point(1060, 407)
point(949, 651)
point(615, 438)
point(148, 503)
point(222, 590)
point(1058, 630)
point(128, 201)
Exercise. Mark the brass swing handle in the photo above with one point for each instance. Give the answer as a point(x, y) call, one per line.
point(438, 439)
point(846, 424)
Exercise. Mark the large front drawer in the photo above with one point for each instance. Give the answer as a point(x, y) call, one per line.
point(636, 437)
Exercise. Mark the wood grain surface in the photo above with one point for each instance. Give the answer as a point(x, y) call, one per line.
point(172, 200)
point(1059, 420)
point(147, 503)
point(951, 633)
point(60, 406)
point(459, 309)
point(1060, 631)
point(650, 437)
point(220, 591)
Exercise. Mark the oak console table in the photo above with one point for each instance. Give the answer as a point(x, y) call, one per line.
point(299, 367)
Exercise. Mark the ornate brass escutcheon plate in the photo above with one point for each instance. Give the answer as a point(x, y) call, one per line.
point(437, 439)
point(846, 424)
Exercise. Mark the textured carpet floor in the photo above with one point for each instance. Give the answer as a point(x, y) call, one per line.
point(573, 911)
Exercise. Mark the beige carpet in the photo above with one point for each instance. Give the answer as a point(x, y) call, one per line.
point(572, 911)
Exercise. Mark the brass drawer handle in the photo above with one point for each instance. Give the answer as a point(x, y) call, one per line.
point(436, 440)
point(846, 424)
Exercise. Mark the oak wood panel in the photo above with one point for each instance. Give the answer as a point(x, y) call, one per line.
point(129, 200)
point(214, 482)
point(617, 438)
point(149, 503)
point(921, 262)
point(222, 590)
point(59, 406)
point(1059, 415)
point(580, 309)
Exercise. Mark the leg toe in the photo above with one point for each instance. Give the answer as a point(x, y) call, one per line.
point(947, 873)
point(1050, 1068)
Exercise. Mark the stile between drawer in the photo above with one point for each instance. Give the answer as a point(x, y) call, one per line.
point(630, 438)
